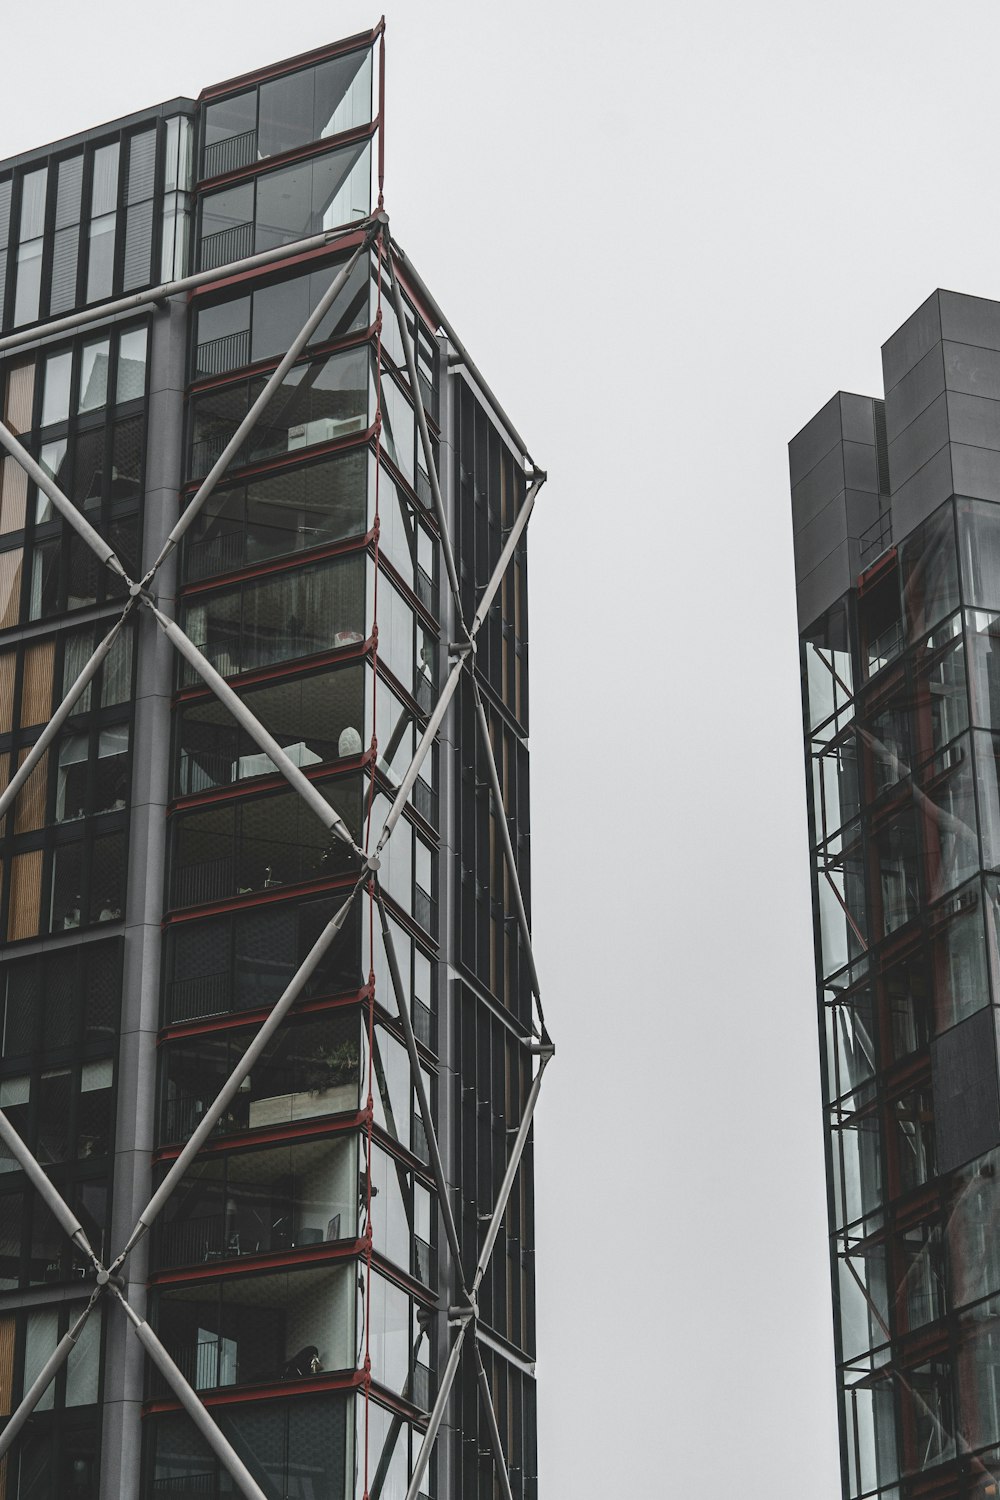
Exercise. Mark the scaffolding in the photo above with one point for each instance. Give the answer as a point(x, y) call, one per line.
point(110, 1283)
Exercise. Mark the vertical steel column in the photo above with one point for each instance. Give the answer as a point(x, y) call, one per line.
point(151, 790)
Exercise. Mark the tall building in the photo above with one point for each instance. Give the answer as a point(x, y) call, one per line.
point(896, 511)
point(271, 1032)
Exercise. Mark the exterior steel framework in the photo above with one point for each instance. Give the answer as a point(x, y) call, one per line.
point(109, 1280)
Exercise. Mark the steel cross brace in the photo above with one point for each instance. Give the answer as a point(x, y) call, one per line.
point(369, 865)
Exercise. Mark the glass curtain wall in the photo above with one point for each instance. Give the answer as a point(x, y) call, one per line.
point(900, 686)
point(310, 582)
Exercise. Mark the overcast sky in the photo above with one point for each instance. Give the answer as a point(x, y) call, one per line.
point(667, 234)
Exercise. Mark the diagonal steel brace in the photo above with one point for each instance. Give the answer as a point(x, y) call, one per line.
point(63, 504)
point(508, 848)
point(489, 1412)
point(61, 714)
point(425, 443)
point(60, 1354)
point(310, 794)
point(468, 1315)
point(259, 406)
point(248, 1061)
point(192, 1404)
point(464, 651)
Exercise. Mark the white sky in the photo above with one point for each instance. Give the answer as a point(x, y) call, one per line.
point(667, 234)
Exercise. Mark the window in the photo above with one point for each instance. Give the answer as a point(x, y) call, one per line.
point(292, 511)
point(321, 402)
point(261, 324)
point(294, 110)
point(30, 244)
point(309, 1069)
point(287, 204)
point(264, 621)
point(245, 960)
point(103, 222)
point(260, 844)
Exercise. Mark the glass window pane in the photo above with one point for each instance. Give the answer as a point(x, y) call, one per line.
point(132, 365)
point(29, 281)
point(84, 1367)
point(101, 257)
point(929, 573)
point(94, 375)
point(33, 204)
point(55, 392)
point(104, 189)
point(68, 191)
point(41, 1337)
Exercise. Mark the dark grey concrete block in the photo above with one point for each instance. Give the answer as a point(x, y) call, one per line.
point(910, 342)
point(915, 500)
point(972, 370)
point(824, 585)
point(970, 320)
point(815, 440)
point(918, 442)
point(915, 392)
point(821, 485)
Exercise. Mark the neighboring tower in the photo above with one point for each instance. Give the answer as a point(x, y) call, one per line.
point(896, 514)
point(270, 865)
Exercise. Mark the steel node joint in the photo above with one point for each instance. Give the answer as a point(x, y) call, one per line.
point(466, 1312)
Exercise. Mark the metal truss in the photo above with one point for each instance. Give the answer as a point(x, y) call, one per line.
point(109, 1280)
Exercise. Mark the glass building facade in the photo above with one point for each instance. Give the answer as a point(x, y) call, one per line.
point(161, 883)
point(896, 508)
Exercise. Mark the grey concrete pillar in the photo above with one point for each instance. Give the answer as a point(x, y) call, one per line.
point(124, 1363)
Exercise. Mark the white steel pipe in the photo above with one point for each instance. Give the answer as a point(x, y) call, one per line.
point(60, 716)
point(166, 289)
point(43, 1379)
point(489, 1412)
point(256, 411)
point(57, 1206)
point(444, 1391)
point(509, 1176)
point(503, 562)
point(297, 780)
point(231, 1087)
point(63, 505)
point(426, 740)
point(193, 1405)
point(425, 442)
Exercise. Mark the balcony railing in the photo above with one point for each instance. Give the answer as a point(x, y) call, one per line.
point(212, 880)
point(229, 155)
point(186, 1486)
point(219, 356)
point(216, 554)
point(206, 995)
point(225, 245)
point(885, 648)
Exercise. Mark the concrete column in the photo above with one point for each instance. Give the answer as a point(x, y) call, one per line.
point(124, 1362)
